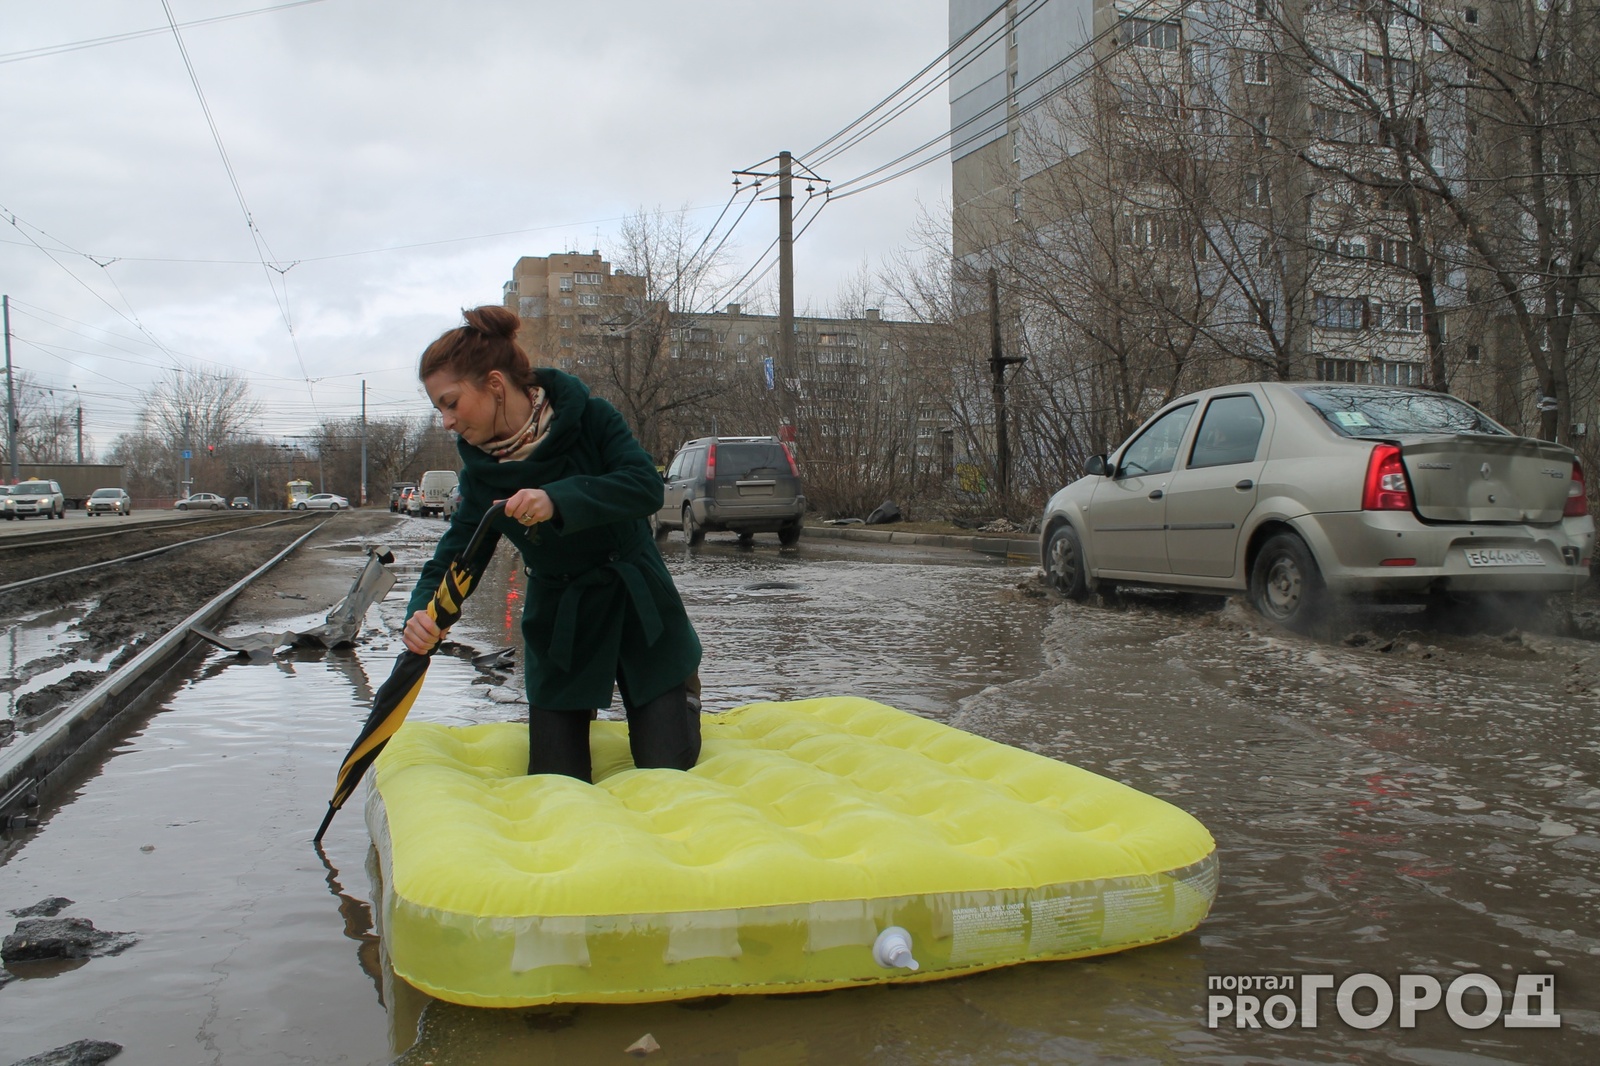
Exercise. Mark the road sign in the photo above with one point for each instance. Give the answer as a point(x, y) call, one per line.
point(187, 454)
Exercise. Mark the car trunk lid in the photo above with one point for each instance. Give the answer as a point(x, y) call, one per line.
point(1481, 478)
point(753, 472)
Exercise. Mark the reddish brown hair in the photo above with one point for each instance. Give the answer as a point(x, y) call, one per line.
point(487, 342)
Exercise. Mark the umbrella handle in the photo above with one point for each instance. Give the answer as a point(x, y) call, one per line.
point(496, 511)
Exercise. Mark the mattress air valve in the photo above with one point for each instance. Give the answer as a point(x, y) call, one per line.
point(892, 949)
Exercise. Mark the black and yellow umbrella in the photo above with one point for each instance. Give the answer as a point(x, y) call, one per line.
point(395, 697)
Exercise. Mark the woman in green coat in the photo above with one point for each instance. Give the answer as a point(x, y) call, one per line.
point(601, 606)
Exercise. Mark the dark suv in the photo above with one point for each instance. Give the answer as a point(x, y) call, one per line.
point(746, 485)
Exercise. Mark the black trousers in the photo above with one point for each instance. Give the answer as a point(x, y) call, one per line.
point(663, 733)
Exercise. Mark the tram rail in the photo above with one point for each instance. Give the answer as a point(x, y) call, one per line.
point(40, 761)
point(133, 556)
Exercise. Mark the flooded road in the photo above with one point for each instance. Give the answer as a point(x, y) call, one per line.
point(1406, 802)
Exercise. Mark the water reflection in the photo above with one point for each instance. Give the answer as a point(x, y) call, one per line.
point(358, 923)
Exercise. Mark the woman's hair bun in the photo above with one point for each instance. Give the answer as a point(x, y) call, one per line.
point(492, 320)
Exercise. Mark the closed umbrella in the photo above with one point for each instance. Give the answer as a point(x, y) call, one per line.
point(395, 697)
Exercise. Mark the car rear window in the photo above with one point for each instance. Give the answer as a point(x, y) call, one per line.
point(1354, 411)
point(751, 459)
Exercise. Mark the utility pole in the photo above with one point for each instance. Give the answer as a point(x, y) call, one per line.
point(998, 361)
point(187, 449)
point(11, 398)
point(363, 442)
point(80, 423)
point(786, 284)
point(785, 372)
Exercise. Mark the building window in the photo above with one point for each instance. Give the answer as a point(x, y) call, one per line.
point(566, 342)
point(1152, 231)
point(1264, 132)
point(1351, 247)
point(1263, 10)
point(1256, 71)
point(1016, 203)
point(588, 279)
point(566, 321)
point(1257, 190)
point(1151, 101)
point(1341, 370)
point(566, 283)
point(1390, 373)
point(589, 299)
point(1146, 33)
point(1341, 312)
point(1474, 353)
point(1348, 127)
point(1470, 16)
point(566, 301)
point(588, 320)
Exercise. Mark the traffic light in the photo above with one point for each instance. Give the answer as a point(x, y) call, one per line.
point(211, 449)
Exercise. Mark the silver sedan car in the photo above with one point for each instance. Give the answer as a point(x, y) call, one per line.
point(1295, 491)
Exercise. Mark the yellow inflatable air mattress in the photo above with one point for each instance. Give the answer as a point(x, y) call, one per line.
point(818, 844)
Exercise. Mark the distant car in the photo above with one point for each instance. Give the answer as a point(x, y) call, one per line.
point(452, 500)
point(202, 501)
point(432, 488)
point(411, 503)
point(36, 497)
point(1292, 492)
point(240, 503)
point(748, 485)
point(323, 501)
point(399, 494)
point(108, 501)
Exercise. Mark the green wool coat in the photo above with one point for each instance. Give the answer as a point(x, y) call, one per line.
point(601, 606)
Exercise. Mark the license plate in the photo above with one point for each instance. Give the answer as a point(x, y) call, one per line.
point(1504, 557)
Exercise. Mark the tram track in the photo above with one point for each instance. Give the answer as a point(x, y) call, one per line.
point(87, 629)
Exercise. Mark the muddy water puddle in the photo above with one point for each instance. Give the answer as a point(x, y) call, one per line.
point(1412, 810)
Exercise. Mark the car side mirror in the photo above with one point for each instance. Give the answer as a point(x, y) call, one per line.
point(1097, 466)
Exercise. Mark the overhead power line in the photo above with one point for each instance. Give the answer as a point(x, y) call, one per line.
point(263, 250)
point(133, 35)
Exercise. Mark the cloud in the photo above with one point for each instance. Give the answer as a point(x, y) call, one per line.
point(355, 125)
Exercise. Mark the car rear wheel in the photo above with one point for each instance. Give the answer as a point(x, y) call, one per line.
point(691, 529)
point(1064, 565)
point(1285, 584)
point(789, 535)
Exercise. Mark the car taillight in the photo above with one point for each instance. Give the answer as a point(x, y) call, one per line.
point(711, 461)
point(1577, 494)
point(787, 454)
point(1386, 488)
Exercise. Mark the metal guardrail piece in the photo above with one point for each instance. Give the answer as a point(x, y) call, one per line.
point(46, 754)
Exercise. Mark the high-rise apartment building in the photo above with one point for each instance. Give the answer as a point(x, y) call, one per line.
point(1232, 183)
point(568, 302)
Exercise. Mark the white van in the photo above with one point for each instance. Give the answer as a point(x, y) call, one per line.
point(433, 490)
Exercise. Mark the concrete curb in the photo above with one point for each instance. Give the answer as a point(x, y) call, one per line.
point(1022, 548)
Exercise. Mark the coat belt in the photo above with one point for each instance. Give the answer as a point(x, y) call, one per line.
point(644, 604)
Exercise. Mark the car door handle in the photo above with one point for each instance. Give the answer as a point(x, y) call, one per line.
point(1156, 494)
point(1245, 484)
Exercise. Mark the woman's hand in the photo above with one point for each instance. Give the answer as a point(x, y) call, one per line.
point(530, 506)
point(421, 633)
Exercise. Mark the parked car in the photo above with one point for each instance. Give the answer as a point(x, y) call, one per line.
point(201, 501)
point(323, 501)
point(108, 501)
point(748, 485)
point(1291, 492)
point(398, 494)
point(36, 497)
point(432, 488)
point(239, 503)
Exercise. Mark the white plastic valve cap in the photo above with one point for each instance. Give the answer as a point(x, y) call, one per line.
point(892, 949)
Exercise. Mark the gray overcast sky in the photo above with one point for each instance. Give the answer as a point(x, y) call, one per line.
point(355, 125)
